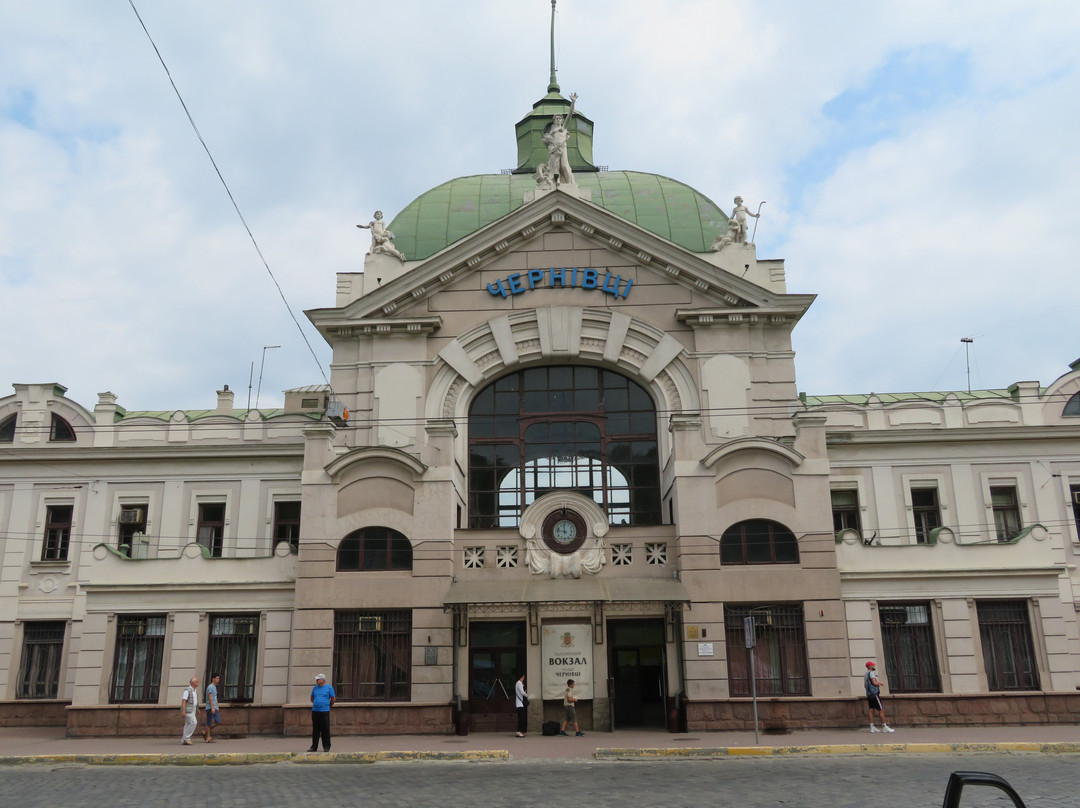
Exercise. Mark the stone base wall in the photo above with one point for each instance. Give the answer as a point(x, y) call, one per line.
point(923, 710)
point(158, 721)
point(382, 719)
point(31, 713)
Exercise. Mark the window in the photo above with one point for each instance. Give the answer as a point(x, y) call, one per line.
point(7, 429)
point(132, 521)
point(60, 430)
point(287, 524)
point(927, 512)
point(211, 529)
point(563, 429)
point(622, 555)
point(779, 650)
point(233, 653)
point(57, 532)
point(1074, 495)
point(39, 671)
point(140, 641)
point(908, 639)
point(1008, 652)
point(1006, 507)
point(372, 655)
point(758, 541)
point(845, 509)
point(1072, 406)
point(374, 548)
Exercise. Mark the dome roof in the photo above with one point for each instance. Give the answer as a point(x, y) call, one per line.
point(460, 207)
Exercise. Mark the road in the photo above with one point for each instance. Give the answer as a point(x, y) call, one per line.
point(831, 781)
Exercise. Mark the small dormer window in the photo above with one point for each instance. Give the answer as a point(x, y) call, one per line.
point(1072, 407)
point(60, 430)
point(7, 429)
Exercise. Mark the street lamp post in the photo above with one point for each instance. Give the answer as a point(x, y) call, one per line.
point(262, 362)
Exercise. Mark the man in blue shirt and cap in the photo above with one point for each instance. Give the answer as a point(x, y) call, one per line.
point(322, 699)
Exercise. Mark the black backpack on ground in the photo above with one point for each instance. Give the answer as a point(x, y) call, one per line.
point(550, 728)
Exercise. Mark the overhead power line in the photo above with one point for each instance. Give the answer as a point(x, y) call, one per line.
point(228, 191)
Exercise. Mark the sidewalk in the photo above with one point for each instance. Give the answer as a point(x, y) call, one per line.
point(49, 745)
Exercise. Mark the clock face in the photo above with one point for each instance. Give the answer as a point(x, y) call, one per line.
point(564, 531)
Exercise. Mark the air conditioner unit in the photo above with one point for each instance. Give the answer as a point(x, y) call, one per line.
point(370, 623)
point(131, 516)
point(140, 545)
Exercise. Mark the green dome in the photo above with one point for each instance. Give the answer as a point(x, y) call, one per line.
point(457, 208)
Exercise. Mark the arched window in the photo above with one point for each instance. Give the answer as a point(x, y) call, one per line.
point(563, 428)
point(374, 548)
point(7, 429)
point(758, 541)
point(60, 430)
point(1072, 406)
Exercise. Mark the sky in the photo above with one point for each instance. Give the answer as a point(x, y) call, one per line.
point(917, 160)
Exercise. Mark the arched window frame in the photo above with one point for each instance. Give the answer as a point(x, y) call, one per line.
point(737, 545)
point(7, 428)
point(60, 430)
point(1072, 406)
point(374, 549)
point(606, 418)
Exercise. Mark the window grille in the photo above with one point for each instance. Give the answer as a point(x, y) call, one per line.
point(372, 655)
point(474, 558)
point(1008, 651)
point(43, 648)
point(233, 653)
point(622, 555)
point(907, 636)
point(507, 557)
point(780, 666)
point(140, 642)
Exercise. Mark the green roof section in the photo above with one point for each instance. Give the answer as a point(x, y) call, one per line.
point(863, 400)
point(196, 415)
point(458, 208)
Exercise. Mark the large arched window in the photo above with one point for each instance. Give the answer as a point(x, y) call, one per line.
point(374, 548)
point(563, 428)
point(758, 541)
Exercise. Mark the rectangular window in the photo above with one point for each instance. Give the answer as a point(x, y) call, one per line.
point(1008, 651)
point(287, 523)
point(140, 642)
point(57, 532)
point(211, 529)
point(43, 649)
point(780, 667)
point(908, 639)
point(372, 655)
point(845, 509)
point(234, 653)
point(132, 521)
point(927, 512)
point(1006, 508)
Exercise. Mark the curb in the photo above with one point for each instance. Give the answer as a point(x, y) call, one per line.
point(1053, 747)
point(249, 758)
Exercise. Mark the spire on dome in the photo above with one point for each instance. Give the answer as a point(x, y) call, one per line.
point(532, 150)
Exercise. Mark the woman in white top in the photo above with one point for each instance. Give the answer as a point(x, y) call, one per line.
point(521, 703)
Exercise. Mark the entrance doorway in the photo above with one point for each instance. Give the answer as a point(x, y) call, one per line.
point(496, 660)
point(638, 669)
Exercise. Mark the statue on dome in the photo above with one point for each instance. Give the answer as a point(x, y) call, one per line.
point(381, 238)
point(557, 137)
point(727, 237)
point(738, 215)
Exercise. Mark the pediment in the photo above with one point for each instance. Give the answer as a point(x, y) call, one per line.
point(718, 295)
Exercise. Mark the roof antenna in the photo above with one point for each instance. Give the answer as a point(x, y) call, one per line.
point(553, 85)
point(967, 358)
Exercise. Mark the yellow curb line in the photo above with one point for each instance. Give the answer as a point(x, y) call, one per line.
point(248, 758)
point(1052, 747)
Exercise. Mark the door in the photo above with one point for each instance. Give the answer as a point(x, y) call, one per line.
point(496, 661)
point(637, 662)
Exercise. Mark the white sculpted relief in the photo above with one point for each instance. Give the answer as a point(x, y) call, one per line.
point(590, 553)
point(737, 227)
point(557, 138)
point(381, 238)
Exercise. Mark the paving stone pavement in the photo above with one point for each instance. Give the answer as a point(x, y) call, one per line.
point(830, 781)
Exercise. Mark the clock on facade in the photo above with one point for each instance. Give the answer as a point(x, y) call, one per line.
point(564, 531)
